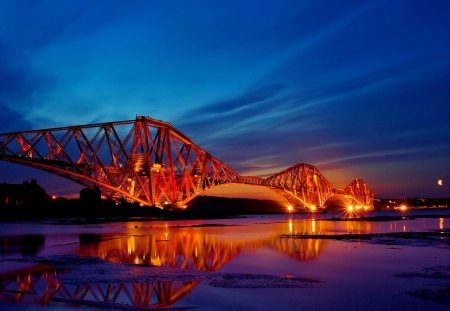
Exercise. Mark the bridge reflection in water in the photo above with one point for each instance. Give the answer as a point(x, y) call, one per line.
point(186, 248)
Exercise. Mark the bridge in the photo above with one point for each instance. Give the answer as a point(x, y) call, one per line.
point(151, 162)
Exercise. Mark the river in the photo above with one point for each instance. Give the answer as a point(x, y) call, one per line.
point(256, 262)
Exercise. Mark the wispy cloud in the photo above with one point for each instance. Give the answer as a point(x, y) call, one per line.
point(242, 101)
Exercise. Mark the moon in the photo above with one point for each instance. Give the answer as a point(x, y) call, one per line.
point(440, 182)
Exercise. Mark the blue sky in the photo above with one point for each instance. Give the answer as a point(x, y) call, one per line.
point(357, 88)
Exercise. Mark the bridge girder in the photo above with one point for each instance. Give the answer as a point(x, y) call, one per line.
point(252, 180)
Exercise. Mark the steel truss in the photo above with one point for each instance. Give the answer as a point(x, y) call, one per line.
point(359, 194)
point(151, 162)
point(302, 184)
point(143, 160)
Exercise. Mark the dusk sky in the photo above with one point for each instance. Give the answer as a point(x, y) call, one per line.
point(356, 88)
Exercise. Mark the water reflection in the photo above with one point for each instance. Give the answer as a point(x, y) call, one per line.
point(42, 285)
point(26, 245)
point(179, 247)
point(316, 227)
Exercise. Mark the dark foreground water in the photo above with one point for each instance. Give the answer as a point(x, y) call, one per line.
point(271, 262)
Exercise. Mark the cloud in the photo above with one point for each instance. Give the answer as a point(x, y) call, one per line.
point(247, 99)
point(64, 21)
point(222, 116)
point(386, 156)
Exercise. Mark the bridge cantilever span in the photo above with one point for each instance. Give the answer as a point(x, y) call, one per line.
point(359, 194)
point(151, 162)
point(144, 160)
point(302, 184)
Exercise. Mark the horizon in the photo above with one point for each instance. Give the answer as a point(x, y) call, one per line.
point(227, 190)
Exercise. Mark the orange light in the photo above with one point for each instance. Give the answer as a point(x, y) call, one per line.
point(358, 207)
point(403, 208)
point(366, 208)
point(290, 209)
point(184, 207)
point(350, 208)
point(440, 182)
point(312, 208)
point(54, 197)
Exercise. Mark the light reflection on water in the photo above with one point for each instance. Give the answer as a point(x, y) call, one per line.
point(188, 245)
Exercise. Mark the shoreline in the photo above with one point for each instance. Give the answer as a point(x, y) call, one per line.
point(185, 215)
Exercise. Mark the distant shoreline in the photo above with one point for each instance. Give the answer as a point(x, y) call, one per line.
point(202, 207)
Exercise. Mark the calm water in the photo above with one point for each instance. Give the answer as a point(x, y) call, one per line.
point(253, 263)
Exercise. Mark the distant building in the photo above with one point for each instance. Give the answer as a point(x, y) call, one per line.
point(27, 194)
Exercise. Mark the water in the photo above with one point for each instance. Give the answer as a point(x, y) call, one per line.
point(282, 262)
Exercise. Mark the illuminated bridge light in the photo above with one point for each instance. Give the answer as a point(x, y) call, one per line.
point(313, 208)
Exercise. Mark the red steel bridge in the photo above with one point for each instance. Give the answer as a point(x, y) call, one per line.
point(151, 162)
